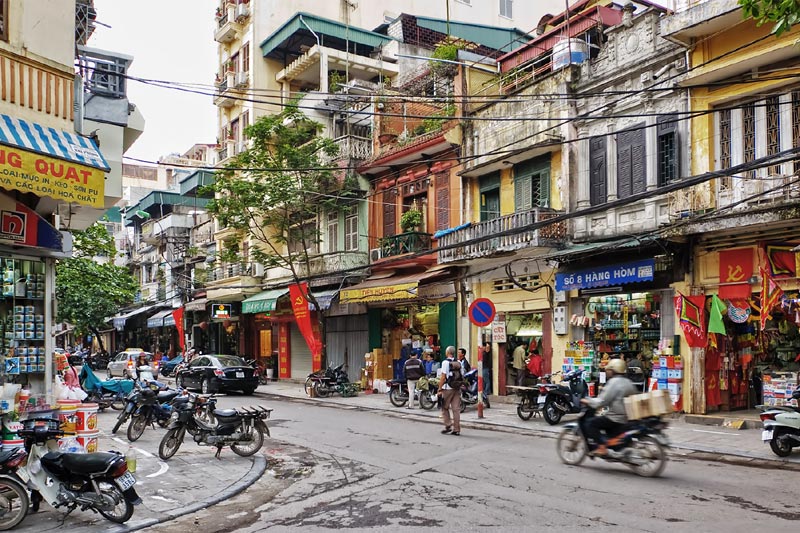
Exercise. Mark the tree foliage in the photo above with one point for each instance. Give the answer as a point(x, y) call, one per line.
point(89, 291)
point(783, 13)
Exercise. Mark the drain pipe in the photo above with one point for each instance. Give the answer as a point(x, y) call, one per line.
point(303, 22)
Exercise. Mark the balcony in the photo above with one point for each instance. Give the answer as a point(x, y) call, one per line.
point(351, 147)
point(229, 271)
point(227, 26)
point(173, 228)
point(698, 18)
point(334, 262)
point(405, 243)
point(526, 238)
point(226, 95)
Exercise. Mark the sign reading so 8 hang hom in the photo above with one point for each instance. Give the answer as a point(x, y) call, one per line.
point(607, 276)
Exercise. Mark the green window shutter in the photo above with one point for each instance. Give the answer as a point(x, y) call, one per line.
point(544, 189)
point(522, 193)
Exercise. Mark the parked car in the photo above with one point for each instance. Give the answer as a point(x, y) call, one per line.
point(212, 373)
point(124, 363)
point(170, 366)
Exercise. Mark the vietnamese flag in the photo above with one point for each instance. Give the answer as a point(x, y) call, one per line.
point(735, 270)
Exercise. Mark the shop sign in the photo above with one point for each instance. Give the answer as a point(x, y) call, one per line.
point(22, 226)
point(607, 276)
point(402, 291)
point(498, 332)
point(47, 176)
point(221, 311)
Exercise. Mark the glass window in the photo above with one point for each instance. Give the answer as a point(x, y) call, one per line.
point(773, 130)
point(351, 229)
point(668, 168)
point(725, 183)
point(505, 8)
point(333, 231)
point(230, 360)
point(749, 136)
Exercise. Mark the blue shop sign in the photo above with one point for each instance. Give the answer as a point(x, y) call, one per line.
point(607, 276)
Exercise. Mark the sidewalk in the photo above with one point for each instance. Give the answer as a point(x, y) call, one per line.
point(743, 446)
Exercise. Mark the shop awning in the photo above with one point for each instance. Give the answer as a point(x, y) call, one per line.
point(119, 320)
point(387, 289)
point(51, 162)
point(197, 305)
point(263, 301)
point(324, 298)
point(157, 320)
point(169, 319)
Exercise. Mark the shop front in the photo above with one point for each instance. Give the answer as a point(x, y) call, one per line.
point(224, 335)
point(163, 333)
point(347, 336)
point(196, 323)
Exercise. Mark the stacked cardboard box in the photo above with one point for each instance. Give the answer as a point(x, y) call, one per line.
point(654, 403)
point(778, 389)
point(383, 364)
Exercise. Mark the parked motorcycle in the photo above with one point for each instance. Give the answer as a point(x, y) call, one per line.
point(781, 426)
point(152, 406)
point(530, 400)
point(425, 393)
point(108, 393)
point(98, 360)
point(242, 429)
point(469, 391)
point(565, 397)
point(334, 380)
point(98, 481)
point(14, 494)
point(642, 444)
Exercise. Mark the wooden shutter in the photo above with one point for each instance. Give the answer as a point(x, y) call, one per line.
point(624, 178)
point(544, 188)
point(389, 213)
point(442, 207)
point(522, 193)
point(597, 171)
point(638, 161)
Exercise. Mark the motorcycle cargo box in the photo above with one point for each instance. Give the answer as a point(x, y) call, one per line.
point(654, 403)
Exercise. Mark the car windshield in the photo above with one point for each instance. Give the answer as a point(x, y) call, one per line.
point(230, 360)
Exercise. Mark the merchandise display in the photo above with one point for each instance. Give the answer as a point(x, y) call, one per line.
point(22, 326)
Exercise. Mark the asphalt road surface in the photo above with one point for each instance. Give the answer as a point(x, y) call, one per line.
point(354, 470)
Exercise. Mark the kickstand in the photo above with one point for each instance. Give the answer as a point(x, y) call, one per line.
point(219, 451)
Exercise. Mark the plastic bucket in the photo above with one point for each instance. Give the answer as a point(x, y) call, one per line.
point(11, 444)
point(87, 417)
point(67, 414)
point(88, 439)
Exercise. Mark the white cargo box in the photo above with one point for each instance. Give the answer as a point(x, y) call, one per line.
point(655, 403)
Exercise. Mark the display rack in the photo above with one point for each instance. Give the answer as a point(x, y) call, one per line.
point(22, 326)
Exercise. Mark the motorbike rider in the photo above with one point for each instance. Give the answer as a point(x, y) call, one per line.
point(617, 387)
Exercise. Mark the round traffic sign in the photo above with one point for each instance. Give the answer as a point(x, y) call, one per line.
point(481, 312)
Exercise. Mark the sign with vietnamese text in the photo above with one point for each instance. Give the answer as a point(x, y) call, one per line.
point(607, 276)
point(498, 332)
point(221, 311)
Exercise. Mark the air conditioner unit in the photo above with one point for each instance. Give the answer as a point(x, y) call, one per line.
point(375, 255)
point(241, 147)
point(257, 270)
point(241, 79)
point(242, 11)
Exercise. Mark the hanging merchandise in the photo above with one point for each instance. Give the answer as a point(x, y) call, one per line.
point(738, 314)
point(692, 320)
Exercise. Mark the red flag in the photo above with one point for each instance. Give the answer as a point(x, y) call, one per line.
point(298, 294)
point(780, 260)
point(690, 310)
point(177, 315)
point(735, 266)
point(770, 296)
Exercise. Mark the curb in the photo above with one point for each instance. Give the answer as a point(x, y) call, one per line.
point(257, 470)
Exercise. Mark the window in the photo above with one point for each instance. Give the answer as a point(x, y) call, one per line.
point(505, 8)
point(631, 162)
point(532, 184)
point(245, 52)
point(598, 181)
point(725, 183)
point(351, 229)
point(773, 130)
point(4, 21)
point(749, 136)
point(796, 126)
point(303, 238)
point(333, 231)
point(389, 212)
point(244, 122)
point(667, 146)
point(442, 200)
point(235, 63)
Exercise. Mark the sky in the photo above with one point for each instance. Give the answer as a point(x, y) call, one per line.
point(170, 40)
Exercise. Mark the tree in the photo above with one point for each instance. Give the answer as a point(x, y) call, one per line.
point(275, 202)
point(89, 291)
point(784, 13)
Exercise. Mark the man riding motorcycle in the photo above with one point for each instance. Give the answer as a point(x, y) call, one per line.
point(617, 387)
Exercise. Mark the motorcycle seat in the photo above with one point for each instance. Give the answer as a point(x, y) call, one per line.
point(7, 454)
point(225, 413)
point(167, 395)
point(80, 463)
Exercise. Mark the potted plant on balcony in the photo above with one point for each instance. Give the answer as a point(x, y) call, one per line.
point(411, 220)
point(218, 13)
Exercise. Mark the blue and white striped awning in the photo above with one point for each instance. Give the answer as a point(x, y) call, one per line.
point(50, 142)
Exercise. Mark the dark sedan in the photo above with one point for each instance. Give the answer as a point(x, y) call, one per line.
point(213, 373)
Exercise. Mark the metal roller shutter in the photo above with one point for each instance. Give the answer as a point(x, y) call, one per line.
point(301, 354)
point(348, 335)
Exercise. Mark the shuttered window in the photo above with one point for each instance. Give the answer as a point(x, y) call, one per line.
point(351, 229)
point(598, 183)
point(333, 231)
point(532, 184)
point(631, 162)
point(668, 153)
point(389, 213)
point(442, 200)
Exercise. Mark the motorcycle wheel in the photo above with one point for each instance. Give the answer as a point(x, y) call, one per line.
point(552, 414)
point(170, 443)
point(321, 389)
point(308, 385)
point(523, 410)
point(14, 503)
point(571, 447)
point(397, 398)
point(779, 447)
point(118, 403)
point(425, 400)
point(163, 422)
point(136, 427)
point(122, 510)
point(652, 456)
point(121, 419)
point(252, 446)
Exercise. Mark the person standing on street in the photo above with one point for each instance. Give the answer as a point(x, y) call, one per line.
point(450, 382)
point(462, 358)
point(413, 369)
point(519, 362)
point(487, 367)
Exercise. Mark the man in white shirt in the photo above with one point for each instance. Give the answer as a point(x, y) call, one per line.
point(451, 396)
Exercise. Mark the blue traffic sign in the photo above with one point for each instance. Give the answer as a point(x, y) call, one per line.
point(481, 312)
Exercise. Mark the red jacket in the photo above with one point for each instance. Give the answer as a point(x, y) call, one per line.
point(535, 365)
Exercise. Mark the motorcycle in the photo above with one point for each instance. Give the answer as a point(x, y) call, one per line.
point(425, 392)
point(641, 444)
point(98, 360)
point(781, 426)
point(14, 493)
point(469, 391)
point(242, 429)
point(152, 406)
point(108, 393)
point(98, 481)
point(565, 397)
point(334, 380)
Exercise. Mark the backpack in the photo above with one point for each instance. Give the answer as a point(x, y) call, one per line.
point(456, 378)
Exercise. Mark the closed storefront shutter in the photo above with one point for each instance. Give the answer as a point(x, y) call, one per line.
point(347, 342)
point(301, 354)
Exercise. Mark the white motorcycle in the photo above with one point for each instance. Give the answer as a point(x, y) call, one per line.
point(90, 481)
point(781, 426)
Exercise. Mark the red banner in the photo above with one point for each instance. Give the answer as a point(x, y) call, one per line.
point(177, 314)
point(735, 266)
point(690, 310)
point(284, 363)
point(781, 260)
point(298, 295)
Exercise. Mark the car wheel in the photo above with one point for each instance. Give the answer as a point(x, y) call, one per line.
point(108, 374)
point(207, 387)
point(249, 392)
point(181, 381)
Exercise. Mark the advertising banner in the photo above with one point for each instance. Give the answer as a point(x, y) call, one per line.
point(607, 276)
point(298, 296)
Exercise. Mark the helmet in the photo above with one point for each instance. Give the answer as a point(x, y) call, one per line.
point(618, 366)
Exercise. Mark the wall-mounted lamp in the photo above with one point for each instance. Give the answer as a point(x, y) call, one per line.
point(142, 214)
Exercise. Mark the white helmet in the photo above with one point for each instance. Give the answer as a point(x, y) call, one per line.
point(618, 366)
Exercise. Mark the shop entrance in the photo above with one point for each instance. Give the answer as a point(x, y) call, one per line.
point(528, 336)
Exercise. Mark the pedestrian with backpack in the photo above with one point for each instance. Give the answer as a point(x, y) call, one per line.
point(413, 369)
point(450, 383)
